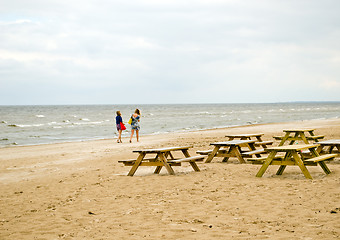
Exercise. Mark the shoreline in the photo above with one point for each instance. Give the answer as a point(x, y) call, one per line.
point(78, 190)
point(164, 133)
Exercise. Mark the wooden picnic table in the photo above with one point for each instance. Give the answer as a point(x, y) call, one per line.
point(293, 156)
point(162, 157)
point(250, 136)
point(331, 144)
point(232, 149)
point(293, 135)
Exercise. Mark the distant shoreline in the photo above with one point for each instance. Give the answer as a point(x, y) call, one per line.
point(148, 104)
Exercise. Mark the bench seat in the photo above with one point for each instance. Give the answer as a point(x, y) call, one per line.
point(152, 161)
point(315, 137)
point(258, 151)
point(263, 143)
point(206, 152)
point(188, 159)
point(261, 160)
point(321, 158)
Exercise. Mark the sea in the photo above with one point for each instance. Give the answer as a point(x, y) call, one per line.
point(32, 125)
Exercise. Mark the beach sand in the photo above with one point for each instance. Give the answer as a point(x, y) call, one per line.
point(80, 191)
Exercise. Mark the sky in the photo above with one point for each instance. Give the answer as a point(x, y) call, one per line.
point(162, 51)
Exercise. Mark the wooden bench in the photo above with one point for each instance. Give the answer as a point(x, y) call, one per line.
point(263, 143)
point(325, 157)
point(132, 161)
point(188, 159)
point(258, 151)
point(315, 137)
point(278, 137)
point(321, 161)
point(192, 160)
point(207, 152)
point(261, 160)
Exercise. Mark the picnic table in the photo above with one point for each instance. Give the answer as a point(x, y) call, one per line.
point(331, 144)
point(293, 156)
point(250, 136)
point(232, 149)
point(292, 135)
point(162, 157)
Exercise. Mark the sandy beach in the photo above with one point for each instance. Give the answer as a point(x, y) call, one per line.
point(80, 191)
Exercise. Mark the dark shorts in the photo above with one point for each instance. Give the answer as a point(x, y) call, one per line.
point(118, 127)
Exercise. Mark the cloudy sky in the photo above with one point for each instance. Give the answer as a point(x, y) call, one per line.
point(162, 51)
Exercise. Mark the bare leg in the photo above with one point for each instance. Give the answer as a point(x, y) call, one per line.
point(132, 132)
point(119, 136)
point(137, 135)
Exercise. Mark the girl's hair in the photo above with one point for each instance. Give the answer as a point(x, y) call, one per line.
point(118, 113)
point(137, 111)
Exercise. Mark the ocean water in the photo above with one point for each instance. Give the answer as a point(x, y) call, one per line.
point(29, 125)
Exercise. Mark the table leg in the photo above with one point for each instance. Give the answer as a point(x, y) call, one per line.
point(296, 135)
point(301, 165)
point(212, 154)
point(169, 154)
point(165, 163)
point(136, 165)
point(186, 153)
point(259, 139)
point(321, 163)
point(158, 170)
point(193, 164)
point(237, 153)
point(338, 147)
point(266, 164)
point(284, 139)
point(283, 167)
point(225, 159)
point(304, 139)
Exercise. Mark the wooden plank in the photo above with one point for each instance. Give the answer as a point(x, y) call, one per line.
point(245, 135)
point(321, 158)
point(233, 142)
point(188, 159)
point(159, 150)
point(315, 137)
point(258, 151)
point(297, 147)
point(331, 142)
point(299, 130)
point(263, 143)
point(133, 160)
point(206, 152)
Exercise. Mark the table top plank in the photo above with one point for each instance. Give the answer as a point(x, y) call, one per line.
point(299, 130)
point(162, 150)
point(233, 142)
point(295, 147)
point(330, 142)
point(245, 135)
